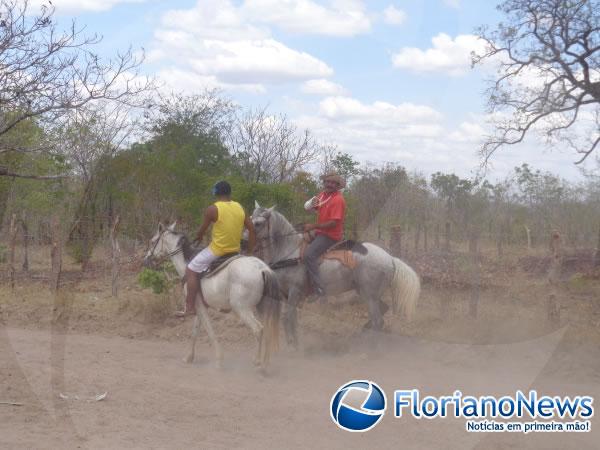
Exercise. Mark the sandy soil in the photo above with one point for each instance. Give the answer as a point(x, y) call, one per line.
point(154, 400)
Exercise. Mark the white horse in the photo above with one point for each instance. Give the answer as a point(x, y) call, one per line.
point(376, 271)
point(244, 285)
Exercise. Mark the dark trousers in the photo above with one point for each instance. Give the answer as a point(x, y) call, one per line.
point(313, 252)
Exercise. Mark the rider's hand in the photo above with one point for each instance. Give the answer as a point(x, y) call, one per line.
point(309, 227)
point(315, 202)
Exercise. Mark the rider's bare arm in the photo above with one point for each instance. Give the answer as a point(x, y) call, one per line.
point(251, 234)
point(211, 214)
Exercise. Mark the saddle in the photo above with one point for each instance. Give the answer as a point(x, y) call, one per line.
point(219, 264)
point(342, 251)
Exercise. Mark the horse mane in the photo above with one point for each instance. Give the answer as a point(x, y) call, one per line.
point(189, 251)
point(282, 224)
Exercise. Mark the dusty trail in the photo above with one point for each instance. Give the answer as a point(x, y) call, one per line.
point(156, 401)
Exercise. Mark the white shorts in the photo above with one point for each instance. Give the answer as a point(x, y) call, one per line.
point(202, 260)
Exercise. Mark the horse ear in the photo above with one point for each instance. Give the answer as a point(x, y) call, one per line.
point(271, 209)
point(256, 205)
point(172, 226)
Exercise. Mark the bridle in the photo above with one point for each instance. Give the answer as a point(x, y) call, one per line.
point(259, 248)
point(163, 258)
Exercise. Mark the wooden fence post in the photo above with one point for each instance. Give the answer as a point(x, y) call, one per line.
point(11, 244)
point(553, 304)
point(56, 254)
point(25, 230)
point(528, 232)
point(396, 240)
point(475, 280)
point(447, 243)
point(417, 239)
point(597, 255)
point(116, 254)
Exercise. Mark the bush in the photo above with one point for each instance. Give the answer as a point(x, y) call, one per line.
point(3, 254)
point(157, 281)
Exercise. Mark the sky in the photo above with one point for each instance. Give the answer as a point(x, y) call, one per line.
point(385, 81)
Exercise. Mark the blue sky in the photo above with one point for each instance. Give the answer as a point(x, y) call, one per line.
point(384, 80)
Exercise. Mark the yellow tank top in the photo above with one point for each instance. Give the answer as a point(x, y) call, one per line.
point(227, 230)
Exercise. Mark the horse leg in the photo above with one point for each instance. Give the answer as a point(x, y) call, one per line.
point(371, 290)
point(202, 317)
point(290, 317)
point(247, 316)
point(190, 357)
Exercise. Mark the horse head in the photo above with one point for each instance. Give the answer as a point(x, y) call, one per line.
point(260, 219)
point(160, 245)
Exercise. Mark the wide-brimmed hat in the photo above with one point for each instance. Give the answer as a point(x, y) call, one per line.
point(333, 176)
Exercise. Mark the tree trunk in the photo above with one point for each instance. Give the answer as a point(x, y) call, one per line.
point(425, 238)
point(447, 243)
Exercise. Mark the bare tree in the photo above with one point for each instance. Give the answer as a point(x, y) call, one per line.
point(269, 149)
point(549, 75)
point(47, 73)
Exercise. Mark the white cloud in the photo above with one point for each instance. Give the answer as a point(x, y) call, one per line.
point(452, 3)
point(378, 131)
point(188, 81)
point(216, 42)
point(422, 139)
point(213, 19)
point(339, 18)
point(451, 56)
point(469, 132)
point(394, 16)
point(256, 61)
point(323, 87)
point(75, 6)
point(346, 108)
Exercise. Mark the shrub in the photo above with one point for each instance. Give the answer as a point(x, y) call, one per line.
point(157, 281)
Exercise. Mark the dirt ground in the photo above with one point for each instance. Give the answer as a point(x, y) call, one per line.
point(59, 353)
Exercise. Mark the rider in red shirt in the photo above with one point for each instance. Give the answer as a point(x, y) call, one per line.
point(329, 229)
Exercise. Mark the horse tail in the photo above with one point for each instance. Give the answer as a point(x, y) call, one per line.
point(270, 310)
point(405, 288)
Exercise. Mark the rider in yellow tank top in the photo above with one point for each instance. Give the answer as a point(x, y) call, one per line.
point(228, 220)
point(227, 230)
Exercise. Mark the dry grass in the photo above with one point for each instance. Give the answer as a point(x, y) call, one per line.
point(512, 306)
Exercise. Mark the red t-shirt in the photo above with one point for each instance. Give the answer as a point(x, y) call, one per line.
point(332, 207)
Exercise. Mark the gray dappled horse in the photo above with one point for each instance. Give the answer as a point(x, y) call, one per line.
point(245, 284)
point(376, 271)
